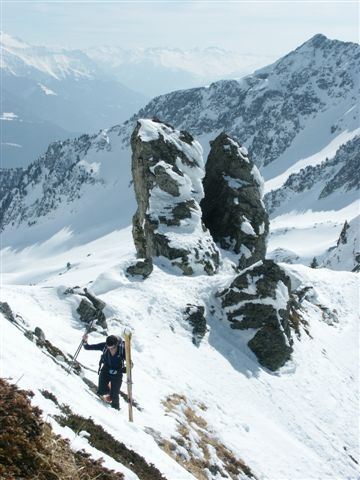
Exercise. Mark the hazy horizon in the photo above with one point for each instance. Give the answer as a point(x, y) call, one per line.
point(263, 28)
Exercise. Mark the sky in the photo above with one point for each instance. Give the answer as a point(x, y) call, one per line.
point(263, 27)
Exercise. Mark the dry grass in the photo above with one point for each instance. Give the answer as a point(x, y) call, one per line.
point(106, 443)
point(194, 428)
point(29, 449)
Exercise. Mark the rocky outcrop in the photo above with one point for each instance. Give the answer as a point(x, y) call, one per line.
point(232, 207)
point(259, 298)
point(195, 315)
point(141, 268)
point(91, 309)
point(7, 312)
point(167, 169)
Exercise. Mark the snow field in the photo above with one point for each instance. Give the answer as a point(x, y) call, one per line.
point(293, 425)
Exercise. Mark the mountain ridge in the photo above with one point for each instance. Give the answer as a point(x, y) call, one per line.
point(208, 123)
point(64, 91)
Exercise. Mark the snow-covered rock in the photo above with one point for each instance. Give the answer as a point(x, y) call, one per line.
point(258, 300)
point(168, 168)
point(283, 255)
point(232, 206)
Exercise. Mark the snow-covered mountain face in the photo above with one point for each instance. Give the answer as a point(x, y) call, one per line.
point(50, 94)
point(57, 192)
point(287, 115)
point(314, 88)
point(207, 405)
point(346, 254)
point(336, 181)
point(156, 71)
point(292, 114)
point(22, 59)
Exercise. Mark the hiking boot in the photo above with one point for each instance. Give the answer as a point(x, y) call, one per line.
point(106, 398)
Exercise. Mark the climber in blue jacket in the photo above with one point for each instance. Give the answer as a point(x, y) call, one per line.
point(111, 368)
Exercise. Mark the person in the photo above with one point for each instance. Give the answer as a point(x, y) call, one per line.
point(111, 368)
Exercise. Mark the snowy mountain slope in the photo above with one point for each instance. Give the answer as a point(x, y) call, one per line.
point(169, 69)
point(296, 424)
point(306, 103)
point(25, 136)
point(315, 86)
point(202, 410)
point(295, 113)
point(332, 184)
point(308, 234)
point(22, 59)
point(345, 255)
point(57, 192)
point(62, 88)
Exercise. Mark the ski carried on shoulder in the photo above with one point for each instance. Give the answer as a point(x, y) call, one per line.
point(127, 336)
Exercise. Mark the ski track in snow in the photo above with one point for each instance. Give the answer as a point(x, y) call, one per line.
point(292, 425)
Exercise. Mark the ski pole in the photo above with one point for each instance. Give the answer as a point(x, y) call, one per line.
point(80, 346)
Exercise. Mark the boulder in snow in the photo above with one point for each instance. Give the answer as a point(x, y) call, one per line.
point(259, 298)
point(195, 315)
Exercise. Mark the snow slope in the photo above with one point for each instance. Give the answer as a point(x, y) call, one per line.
point(309, 233)
point(345, 255)
point(294, 425)
point(81, 187)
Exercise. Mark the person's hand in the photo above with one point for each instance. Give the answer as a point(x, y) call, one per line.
point(85, 338)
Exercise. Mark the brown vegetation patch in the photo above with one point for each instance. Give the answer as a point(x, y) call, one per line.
point(103, 441)
point(29, 449)
point(194, 435)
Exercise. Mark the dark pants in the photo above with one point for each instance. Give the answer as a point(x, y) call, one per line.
point(115, 383)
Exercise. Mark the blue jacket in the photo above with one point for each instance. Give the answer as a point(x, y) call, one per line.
point(114, 363)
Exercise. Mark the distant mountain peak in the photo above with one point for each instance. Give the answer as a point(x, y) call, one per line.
point(12, 42)
point(317, 40)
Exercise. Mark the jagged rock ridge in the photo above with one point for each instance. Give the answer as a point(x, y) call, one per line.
point(167, 169)
point(232, 206)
